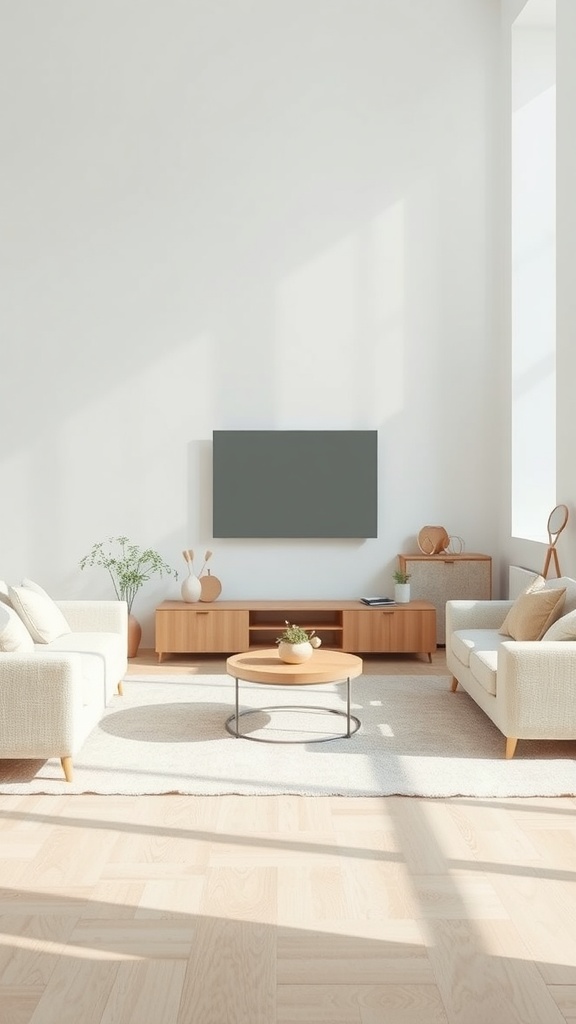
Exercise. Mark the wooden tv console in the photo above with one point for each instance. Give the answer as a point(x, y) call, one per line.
point(228, 627)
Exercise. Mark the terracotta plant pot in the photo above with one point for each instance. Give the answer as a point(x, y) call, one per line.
point(134, 636)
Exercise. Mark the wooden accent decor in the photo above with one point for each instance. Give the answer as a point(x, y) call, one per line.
point(556, 522)
point(211, 588)
point(432, 540)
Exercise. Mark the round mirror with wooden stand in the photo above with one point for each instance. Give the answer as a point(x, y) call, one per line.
point(556, 522)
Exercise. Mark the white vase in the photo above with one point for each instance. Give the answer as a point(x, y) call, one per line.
point(191, 589)
point(402, 593)
point(294, 654)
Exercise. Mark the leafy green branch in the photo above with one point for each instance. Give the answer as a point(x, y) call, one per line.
point(128, 566)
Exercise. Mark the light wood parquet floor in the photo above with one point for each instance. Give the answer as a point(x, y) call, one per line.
point(287, 910)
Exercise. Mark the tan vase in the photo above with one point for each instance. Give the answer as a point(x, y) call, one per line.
point(134, 636)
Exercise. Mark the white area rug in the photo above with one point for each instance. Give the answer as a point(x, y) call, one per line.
point(417, 739)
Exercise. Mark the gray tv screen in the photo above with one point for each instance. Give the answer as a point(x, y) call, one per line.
point(295, 483)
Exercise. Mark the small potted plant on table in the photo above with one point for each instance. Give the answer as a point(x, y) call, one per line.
point(295, 644)
point(401, 586)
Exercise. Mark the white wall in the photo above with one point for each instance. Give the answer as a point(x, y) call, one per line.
point(201, 200)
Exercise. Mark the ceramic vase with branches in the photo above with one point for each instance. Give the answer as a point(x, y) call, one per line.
point(191, 587)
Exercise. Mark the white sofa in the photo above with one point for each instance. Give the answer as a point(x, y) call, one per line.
point(526, 687)
point(53, 694)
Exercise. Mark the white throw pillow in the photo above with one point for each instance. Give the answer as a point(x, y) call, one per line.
point(13, 633)
point(4, 599)
point(41, 616)
point(563, 629)
point(31, 585)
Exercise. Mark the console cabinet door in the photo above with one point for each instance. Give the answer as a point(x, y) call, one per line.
point(201, 631)
point(390, 631)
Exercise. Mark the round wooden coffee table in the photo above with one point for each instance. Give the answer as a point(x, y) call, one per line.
point(264, 666)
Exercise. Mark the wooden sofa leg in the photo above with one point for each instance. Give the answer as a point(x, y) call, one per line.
point(511, 742)
point(68, 769)
point(454, 685)
point(120, 689)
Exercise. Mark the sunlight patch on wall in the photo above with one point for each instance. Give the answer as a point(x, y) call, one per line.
point(533, 194)
point(339, 331)
point(138, 431)
point(388, 286)
point(316, 336)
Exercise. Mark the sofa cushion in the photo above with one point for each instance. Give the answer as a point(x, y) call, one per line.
point(13, 633)
point(563, 629)
point(532, 613)
point(466, 641)
point(31, 585)
point(538, 583)
point(569, 585)
point(107, 650)
point(484, 666)
point(39, 613)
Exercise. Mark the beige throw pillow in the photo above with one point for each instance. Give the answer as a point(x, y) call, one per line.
point(41, 616)
point(563, 629)
point(532, 613)
point(13, 633)
point(538, 583)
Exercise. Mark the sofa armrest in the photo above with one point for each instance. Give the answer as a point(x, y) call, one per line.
point(96, 616)
point(40, 704)
point(537, 685)
point(475, 614)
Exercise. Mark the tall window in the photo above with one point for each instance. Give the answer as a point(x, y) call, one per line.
point(533, 268)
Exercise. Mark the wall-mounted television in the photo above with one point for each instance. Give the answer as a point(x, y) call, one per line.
point(295, 483)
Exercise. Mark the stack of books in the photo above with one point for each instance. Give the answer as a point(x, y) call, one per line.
point(375, 601)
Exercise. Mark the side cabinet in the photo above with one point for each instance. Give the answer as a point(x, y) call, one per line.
point(441, 578)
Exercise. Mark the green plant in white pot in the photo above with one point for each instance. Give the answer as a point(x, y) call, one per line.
point(296, 645)
point(401, 586)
